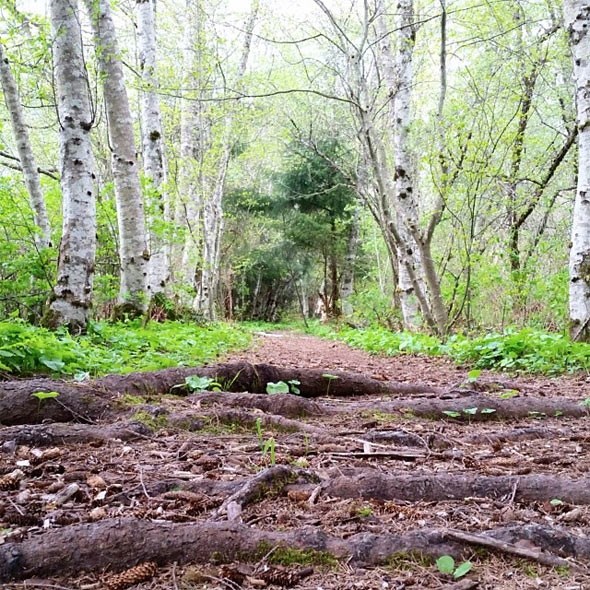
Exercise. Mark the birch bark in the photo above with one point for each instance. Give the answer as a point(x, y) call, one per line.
point(25, 152)
point(212, 207)
point(577, 20)
point(72, 295)
point(133, 251)
point(154, 163)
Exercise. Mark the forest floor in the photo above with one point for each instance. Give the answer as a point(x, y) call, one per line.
point(379, 467)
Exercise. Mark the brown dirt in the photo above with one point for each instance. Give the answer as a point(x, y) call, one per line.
point(173, 475)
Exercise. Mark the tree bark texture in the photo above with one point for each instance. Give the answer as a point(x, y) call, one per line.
point(133, 250)
point(154, 162)
point(72, 295)
point(577, 20)
point(25, 152)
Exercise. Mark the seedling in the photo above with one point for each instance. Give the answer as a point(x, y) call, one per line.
point(330, 378)
point(269, 448)
point(473, 375)
point(446, 565)
point(43, 395)
point(198, 384)
point(290, 386)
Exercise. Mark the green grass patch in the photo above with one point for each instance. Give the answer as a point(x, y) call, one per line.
point(114, 348)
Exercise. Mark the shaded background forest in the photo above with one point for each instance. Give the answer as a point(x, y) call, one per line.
point(279, 136)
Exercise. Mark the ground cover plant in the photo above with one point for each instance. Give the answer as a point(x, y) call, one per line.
point(114, 348)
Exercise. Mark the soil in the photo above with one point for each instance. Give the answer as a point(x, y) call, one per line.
point(323, 490)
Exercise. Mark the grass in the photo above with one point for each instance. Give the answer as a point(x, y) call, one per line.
point(114, 348)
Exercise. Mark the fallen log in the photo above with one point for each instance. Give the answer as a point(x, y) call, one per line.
point(122, 543)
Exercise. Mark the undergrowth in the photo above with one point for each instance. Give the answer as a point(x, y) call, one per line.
point(516, 350)
point(114, 348)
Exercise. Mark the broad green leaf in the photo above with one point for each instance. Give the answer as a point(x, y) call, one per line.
point(445, 564)
point(463, 569)
point(41, 395)
point(279, 387)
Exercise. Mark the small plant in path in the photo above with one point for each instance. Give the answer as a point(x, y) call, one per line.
point(291, 386)
point(446, 565)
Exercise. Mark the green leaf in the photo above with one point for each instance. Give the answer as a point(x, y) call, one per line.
point(470, 411)
point(463, 569)
point(329, 376)
point(452, 413)
point(445, 564)
point(279, 387)
point(41, 395)
point(53, 364)
point(473, 375)
point(294, 386)
point(556, 502)
point(488, 410)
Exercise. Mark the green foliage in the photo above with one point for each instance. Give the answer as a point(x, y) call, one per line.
point(198, 384)
point(114, 348)
point(446, 565)
point(526, 350)
point(290, 386)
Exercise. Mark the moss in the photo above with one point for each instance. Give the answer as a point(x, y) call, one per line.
point(291, 556)
point(408, 560)
point(153, 422)
point(132, 400)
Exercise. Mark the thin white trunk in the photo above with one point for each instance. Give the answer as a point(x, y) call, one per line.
point(72, 296)
point(154, 163)
point(133, 251)
point(212, 208)
point(25, 152)
point(347, 278)
point(193, 143)
point(577, 20)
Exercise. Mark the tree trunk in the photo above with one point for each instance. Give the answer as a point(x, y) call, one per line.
point(133, 251)
point(71, 299)
point(25, 152)
point(153, 148)
point(577, 17)
point(194, 141)
point(207, 288)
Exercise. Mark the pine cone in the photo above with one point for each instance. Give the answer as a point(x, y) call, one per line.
point(11, 481)
point(135, 575)
point(284, 577)
point(232, 573)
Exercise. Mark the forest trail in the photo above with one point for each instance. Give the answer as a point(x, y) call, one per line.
point(377, 468)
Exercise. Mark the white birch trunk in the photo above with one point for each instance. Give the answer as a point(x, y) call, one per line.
point(193, 141)
point(577, 20)
point(212, 208)
point(133, 251)
point(72, 296)
point(347, 278)
point(154, 163)
point(25, 152)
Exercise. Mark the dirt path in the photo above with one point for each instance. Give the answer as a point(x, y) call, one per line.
point(320, 490)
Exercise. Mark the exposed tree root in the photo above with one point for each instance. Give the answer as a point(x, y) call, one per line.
point(125, 542)
point(456, 486)
point(43, 435)
point(89, 401)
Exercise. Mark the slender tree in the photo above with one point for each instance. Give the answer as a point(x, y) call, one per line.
point(577, 19)
point(133, 250)
point(25, 152)
point(71, 299)
point(154, 163)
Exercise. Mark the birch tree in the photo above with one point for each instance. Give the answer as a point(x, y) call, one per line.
point(25, 152)
point(153, 146)
point(133, 250)
point(71, 299)
point(212, 206)
point(577, 19)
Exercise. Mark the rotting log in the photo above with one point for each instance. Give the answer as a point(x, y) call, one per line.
point(124, 542)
